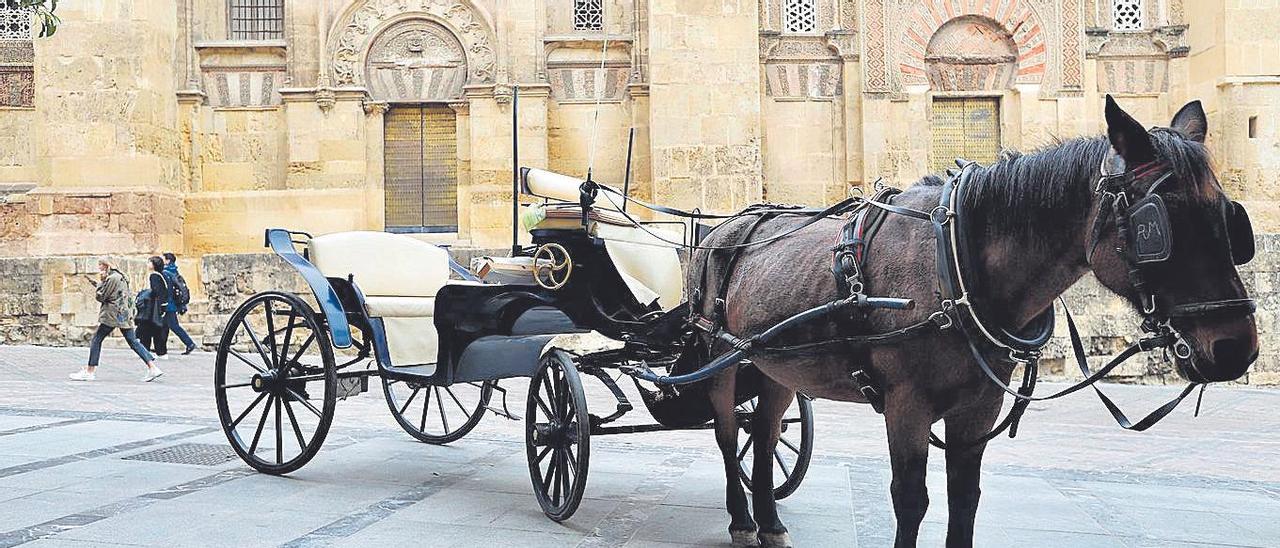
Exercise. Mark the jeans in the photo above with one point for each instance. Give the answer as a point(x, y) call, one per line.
point(171, 321)
point(95, 347)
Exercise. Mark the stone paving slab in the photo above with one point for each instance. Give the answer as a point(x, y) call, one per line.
point(1070, 479)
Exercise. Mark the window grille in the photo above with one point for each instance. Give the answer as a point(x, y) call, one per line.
point(588, 14)
point(1126, 15)
point(800, 16)
point(256, 19)
point(15, 20)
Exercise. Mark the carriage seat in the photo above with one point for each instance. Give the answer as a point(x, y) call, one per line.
point(399, 276)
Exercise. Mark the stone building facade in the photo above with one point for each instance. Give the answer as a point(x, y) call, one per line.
point(191, 125)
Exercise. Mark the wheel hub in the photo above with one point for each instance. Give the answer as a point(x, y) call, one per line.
point(554, 434)
point(266, 381)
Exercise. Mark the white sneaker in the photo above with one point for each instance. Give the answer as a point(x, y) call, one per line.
point(153, 373)
point(164, 357)
point(81, 375)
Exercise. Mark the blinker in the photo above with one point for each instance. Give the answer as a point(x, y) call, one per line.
point(1149, 232)
point(1239, 233)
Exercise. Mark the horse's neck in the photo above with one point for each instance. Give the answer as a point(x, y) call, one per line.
point(1026, 269)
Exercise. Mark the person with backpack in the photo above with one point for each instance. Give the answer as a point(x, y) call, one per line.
point(116, 312)
point(151, 321)
point(179, 298)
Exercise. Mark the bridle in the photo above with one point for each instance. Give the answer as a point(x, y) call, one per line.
point(1142, 224)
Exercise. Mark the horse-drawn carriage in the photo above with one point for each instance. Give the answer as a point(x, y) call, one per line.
point(593, 294)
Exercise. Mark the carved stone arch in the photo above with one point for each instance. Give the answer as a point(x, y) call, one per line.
point(1019, 19)
point(971, 53)
point(356, 29)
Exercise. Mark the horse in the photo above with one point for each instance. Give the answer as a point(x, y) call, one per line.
point(1036, 224)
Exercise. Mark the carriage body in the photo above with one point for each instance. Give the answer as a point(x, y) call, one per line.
point(402, 310)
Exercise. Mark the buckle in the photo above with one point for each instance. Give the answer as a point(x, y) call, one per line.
point(941, 318)
point(941, 211)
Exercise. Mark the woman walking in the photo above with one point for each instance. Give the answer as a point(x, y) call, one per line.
point(151, 321)
point(113, 293)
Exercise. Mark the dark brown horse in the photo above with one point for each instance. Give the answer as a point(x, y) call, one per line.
point(1030, 219)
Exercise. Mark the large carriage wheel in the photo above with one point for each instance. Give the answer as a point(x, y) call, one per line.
point(275, 382)
point(437, 414)
point(557, 435)
point(795, 445)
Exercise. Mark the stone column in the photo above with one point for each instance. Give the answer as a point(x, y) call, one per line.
point(704, 100)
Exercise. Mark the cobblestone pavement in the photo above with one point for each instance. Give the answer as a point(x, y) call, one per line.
point(1071, 478)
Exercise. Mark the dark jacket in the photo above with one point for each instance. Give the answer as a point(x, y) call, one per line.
point(171, 277)
point(159, 294)
point(143, 306)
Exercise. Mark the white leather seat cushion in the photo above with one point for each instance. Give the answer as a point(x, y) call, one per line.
point(384, 264)
point(411, 341)
point(548, 184)
point(400, 307)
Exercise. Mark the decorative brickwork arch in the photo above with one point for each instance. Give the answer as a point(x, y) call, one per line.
point(971, 53)
point(896, 36)
point(357, 27)
point(1014, 18)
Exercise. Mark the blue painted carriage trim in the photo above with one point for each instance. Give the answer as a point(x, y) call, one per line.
point(281, 242)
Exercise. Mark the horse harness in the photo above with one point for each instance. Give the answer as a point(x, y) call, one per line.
point(1145, 232)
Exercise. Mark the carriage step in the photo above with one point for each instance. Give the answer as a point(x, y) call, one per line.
point(505, 411)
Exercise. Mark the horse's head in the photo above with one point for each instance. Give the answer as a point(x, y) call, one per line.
point(1168, 239)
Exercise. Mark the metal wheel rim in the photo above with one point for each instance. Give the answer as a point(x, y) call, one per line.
point(796, 452)
point(421, 415)
point(289, 417)
point(558, 493)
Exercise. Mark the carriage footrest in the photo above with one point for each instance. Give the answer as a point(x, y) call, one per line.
point(505, 411)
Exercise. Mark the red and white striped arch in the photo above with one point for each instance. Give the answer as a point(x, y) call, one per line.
point(1017, 17)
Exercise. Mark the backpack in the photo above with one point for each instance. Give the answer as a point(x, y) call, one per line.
point(142, 303)
point(181, 293)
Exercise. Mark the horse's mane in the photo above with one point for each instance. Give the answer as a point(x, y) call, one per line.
point(1053, 183)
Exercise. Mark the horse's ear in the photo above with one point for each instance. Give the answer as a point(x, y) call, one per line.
point(1191, 121)
point(1128, 136)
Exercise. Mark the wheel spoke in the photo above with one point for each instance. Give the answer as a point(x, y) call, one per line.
point(271, 333)
point(426, 406)
point(465, 412)
point(253, 447)
point(564, 475)
point(537, 398)
point(573, 461)
point(546, 480)
point(410, 400)
point(279, 434)
point(237, 385)
point(745, 447)
point(239, 356)
point(440, 403)
point(786, 472)
point(542, 455)
point(302, 443)
point(789, 445)
point(247, 410)
point(298, 397)
point(288, 335)
point(551, 392)
point(257, 343)
point(555, 499)
point(303, 347)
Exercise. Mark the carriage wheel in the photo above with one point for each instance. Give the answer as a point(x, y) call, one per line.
point(795, 445)
point(437, 414)
point(557, 435)
point(275, 382)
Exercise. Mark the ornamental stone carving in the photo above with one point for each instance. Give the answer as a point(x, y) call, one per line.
point(460, 28)
point(416, 60)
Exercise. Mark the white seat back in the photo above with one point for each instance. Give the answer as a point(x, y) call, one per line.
point(548, 184)
point(384, 264)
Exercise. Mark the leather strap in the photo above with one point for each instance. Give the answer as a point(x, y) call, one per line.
point(1225, 307)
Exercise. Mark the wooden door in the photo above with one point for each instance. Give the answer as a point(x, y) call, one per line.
point(421, 166)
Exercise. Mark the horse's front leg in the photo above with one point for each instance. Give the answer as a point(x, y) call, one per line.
point(742, 529)
point(907, 421)
point(766, 425)
point(964, 468)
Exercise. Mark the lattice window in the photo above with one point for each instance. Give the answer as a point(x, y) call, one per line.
point(588, 14)
point(256, 19)
point(1126, 14)
point(15, 20)
point(800, 16)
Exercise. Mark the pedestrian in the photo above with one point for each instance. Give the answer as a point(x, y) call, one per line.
point(179, 297)
point(148, 330)
point(115, 313)
point(155, 329)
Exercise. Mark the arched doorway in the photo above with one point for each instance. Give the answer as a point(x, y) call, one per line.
point(970, 61)
point(418, 66)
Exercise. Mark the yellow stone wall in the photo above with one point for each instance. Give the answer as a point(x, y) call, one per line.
point(128, 104)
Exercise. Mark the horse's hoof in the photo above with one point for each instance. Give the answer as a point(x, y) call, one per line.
point(775, 540)
point(744, 538)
